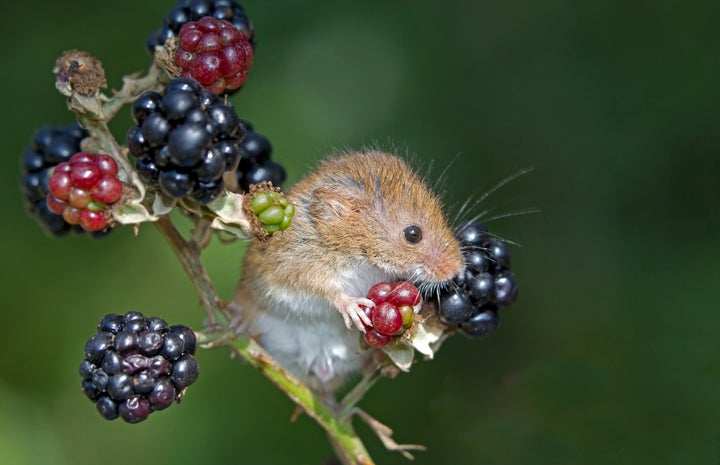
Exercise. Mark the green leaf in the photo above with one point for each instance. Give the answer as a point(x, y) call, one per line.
point(401, 354)
point(132, 213)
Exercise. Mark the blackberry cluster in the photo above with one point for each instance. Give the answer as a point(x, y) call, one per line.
point(473, 300)
point(51, 145)
point(256, 165)
point(185, 140)
point(135, 365)
point(192, 10)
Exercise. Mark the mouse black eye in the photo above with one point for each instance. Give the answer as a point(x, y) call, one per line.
point(413, 234)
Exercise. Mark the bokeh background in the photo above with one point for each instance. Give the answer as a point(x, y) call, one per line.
point(610, 355)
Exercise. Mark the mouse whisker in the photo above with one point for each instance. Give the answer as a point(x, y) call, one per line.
point(469, 204)
point(523, 211)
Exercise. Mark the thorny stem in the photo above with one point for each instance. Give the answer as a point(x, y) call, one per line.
point(132, 88)
point(189, 255)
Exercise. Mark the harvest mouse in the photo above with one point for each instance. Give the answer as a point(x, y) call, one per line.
point(361, 218)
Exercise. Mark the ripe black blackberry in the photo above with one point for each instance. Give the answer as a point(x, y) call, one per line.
point(192, 10)
point(255, 164)
point(134, 366)
point(473, 299)
point(51, 145)
point(185, 139)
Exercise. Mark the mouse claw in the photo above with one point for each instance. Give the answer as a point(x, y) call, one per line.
point(352, 310)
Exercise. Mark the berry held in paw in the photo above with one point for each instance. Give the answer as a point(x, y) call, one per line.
point(393, 312)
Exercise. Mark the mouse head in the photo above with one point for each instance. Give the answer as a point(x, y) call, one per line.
point(374, 207)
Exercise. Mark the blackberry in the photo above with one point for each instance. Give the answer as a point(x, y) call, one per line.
point(255, 164)
point(473, 299)
point(185, 139)
point(51, 145)
point(134, 365)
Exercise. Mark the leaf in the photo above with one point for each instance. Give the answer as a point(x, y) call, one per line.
point(426, 335)
point(236, 231)
point(401, 354)
point(163, 204)
point(132, 213)
point(230, 214)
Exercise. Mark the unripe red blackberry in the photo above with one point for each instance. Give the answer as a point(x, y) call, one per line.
point(393, 312)
point(192, 10)
point(83, 189)
point(51, 145)
point(219, 62)
point(134, 366)
point(214, 53)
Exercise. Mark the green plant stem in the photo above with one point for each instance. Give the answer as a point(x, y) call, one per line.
point(349, 447)
point(101, 133)
point(132, 88)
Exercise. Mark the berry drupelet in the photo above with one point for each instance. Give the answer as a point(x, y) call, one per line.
point(135, 365)
point(185, 140)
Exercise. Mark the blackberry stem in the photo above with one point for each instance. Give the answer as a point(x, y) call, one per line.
point(132, 88)
point(188, 252)
point(101, 133)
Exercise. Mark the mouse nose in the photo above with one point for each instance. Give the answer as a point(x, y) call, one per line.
point(450, 266)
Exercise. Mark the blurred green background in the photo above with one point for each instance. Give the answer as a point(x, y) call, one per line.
point(611, 354)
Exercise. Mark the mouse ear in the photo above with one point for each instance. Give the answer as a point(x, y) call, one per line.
point(333, 202)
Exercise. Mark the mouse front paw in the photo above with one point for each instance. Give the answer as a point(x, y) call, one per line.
point(352, 310)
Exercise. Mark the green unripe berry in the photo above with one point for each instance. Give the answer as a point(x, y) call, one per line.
point(273, 215)
point(407, 314)
point(261, 201)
